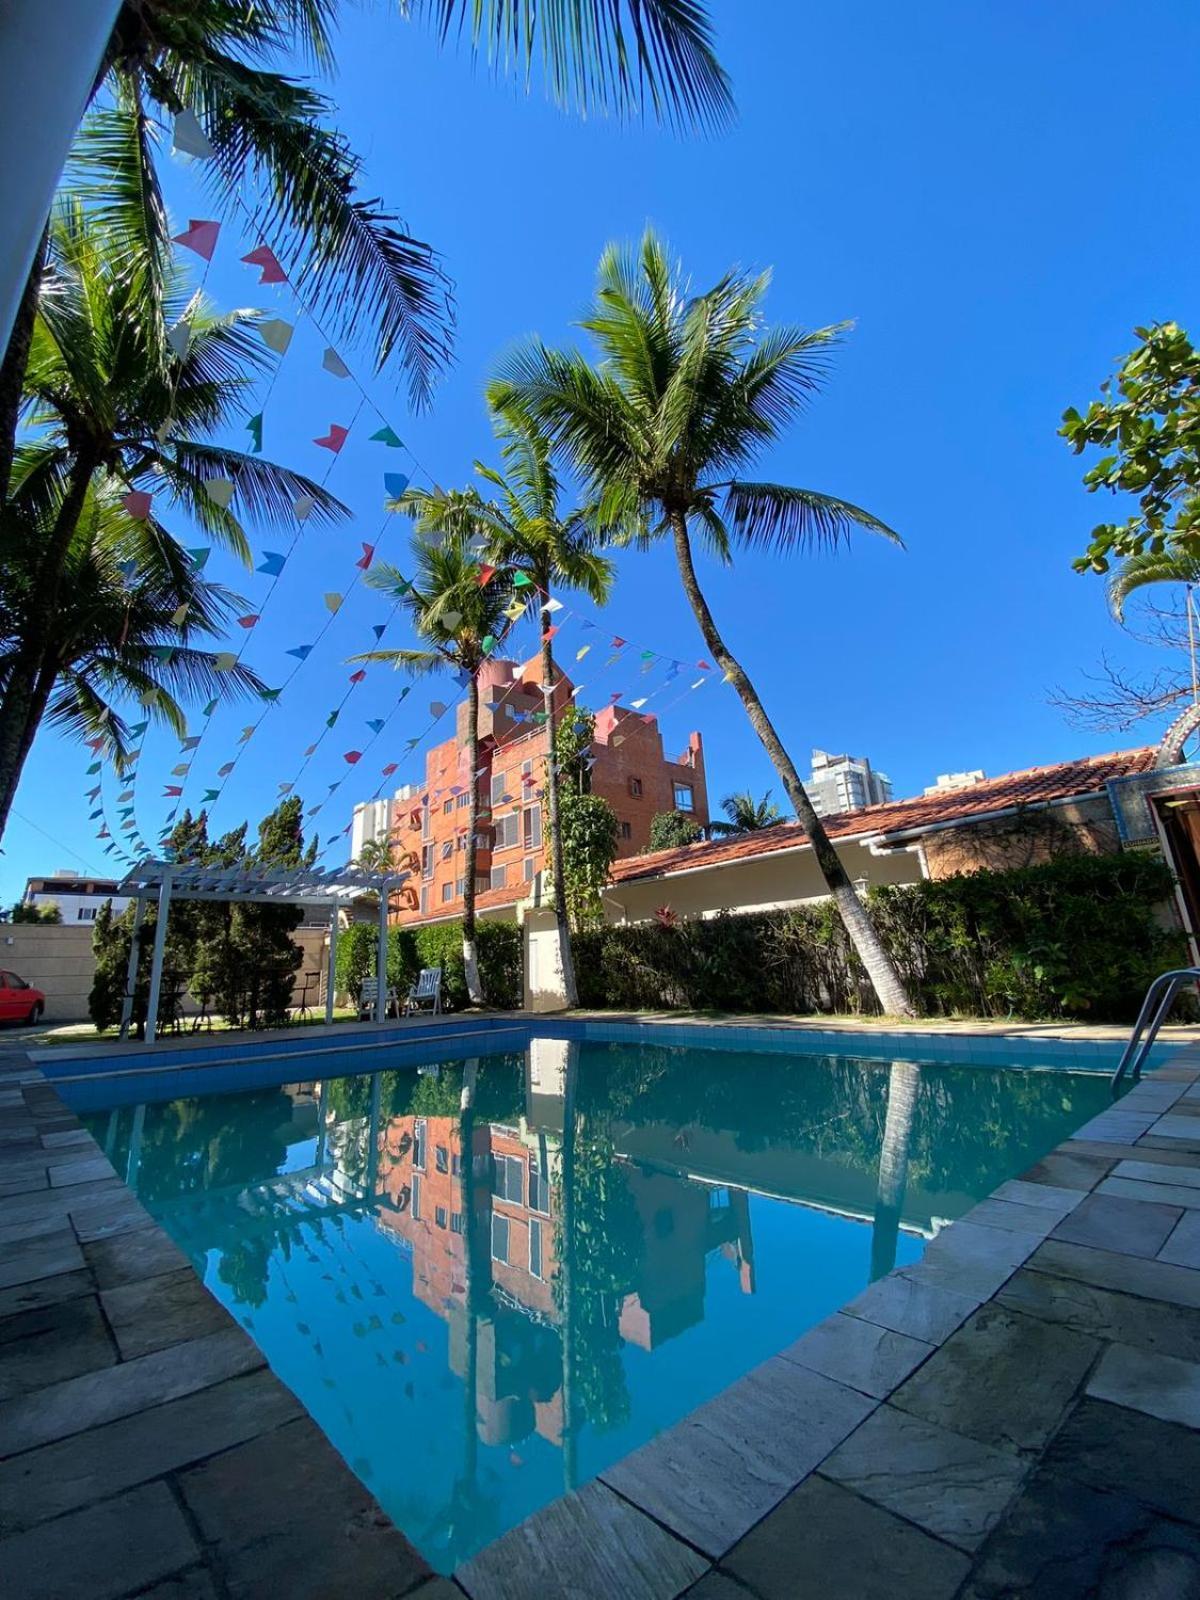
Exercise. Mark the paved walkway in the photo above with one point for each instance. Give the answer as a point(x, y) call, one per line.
point(1018, 1414)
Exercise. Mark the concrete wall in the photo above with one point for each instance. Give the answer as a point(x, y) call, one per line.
point(58, 959)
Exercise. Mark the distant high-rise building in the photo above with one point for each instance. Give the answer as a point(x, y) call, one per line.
point(374, 819)
point(845, 783)
point(948, 781)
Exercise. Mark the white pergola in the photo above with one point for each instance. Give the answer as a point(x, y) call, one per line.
point(327, 889)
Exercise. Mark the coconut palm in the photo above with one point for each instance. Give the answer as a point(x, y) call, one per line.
point(1149, 570)
point(522, 529)
point(271, 134)
point(107, 397)
point(375, 855)
point(133, 614)
point(745, 814)
point(688, 390)
point(454, 614)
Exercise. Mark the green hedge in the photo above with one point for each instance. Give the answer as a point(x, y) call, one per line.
point(436, 945)
point(1078, 937)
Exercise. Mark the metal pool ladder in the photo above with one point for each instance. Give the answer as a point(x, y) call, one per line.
point(1156, 1008)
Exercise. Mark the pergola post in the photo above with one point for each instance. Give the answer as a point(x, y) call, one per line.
point(381, 963)
point(156, 963)
point(331, 979)
point(132, 968)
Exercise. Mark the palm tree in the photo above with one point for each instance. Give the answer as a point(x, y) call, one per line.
point(745, 814)
point(267, 131)
point(526, 533)
point(688, 390)
point(375, 855)
point(455, 614)
point(133, 611)
point(106, 398)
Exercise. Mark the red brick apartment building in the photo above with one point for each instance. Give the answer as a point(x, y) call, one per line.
point(629, 770)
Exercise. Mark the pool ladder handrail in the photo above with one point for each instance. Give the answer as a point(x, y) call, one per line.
point(1156, 1008)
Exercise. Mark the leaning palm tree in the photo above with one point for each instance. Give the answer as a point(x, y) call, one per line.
point(745, 814)
point(521, 529)
point(106, 396)
point(688, 390)
point(134, 614)
point(458, 617)
point(230, 67)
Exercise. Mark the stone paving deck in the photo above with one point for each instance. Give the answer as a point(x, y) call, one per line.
point(1018, 1414)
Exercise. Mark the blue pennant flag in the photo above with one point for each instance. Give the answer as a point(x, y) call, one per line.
point(271, 563)
point(379, 630)
point(462, 679)
point(395, 483)
point(375, 724)
point(301, 652)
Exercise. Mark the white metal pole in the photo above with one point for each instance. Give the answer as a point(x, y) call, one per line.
point(331, 979)
point(131, 970)
point(50, 54)
point(381, 964)
point(156, 964)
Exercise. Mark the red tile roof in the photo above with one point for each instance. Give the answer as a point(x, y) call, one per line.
point(1033, 786)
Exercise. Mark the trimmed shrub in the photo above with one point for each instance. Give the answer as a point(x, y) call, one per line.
point(1075, 937)
point(438, 944)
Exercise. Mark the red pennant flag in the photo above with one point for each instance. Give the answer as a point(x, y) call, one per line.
point(615, 697)
point(96, 745)
point(248, 620)
point(548, 635)
point(619, 643)
point(172, 790)
point(352, 756)
point(200, 237)
point(365, 561)
point(704, 666)
point(357, 677)
point(334, 439)
point(137, 503)
point(265, 258)
point(486, 574)
point(390, 768)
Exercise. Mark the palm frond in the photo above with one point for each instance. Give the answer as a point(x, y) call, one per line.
point(1146, 570)
point(776, 516)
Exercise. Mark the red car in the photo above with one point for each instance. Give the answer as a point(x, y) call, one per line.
point(19, 1001)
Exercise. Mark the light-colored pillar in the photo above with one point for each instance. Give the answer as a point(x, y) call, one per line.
point(50, 54)
point(132, 969)
point(156, 963)
point(381, 963)
point(331, 978)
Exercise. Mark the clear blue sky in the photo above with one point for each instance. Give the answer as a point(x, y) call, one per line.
point(995, 194)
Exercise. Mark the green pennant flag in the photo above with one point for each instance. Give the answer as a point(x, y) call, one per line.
point(138, 728)
point(270, 694)
point(488, 643)
point(199, 557)
point(164, 652)
point(521, 580)
point(331, 719)
point(254, 427)
point(210, 794)
point(386, 436)
point(94, 769)
point(209, 709)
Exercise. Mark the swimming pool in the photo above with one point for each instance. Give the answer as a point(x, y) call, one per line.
point(490, 1277)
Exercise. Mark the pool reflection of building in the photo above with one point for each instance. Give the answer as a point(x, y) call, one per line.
point(515, 1213)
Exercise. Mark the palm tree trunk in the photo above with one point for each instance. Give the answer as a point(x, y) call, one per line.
point(562, 925)
point(470, 951)
point(16, 359)
point(904, 1082)
point(862, 934)
point(566, 1267)
point(19, 713)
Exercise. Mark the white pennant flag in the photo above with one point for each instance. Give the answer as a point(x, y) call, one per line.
point(219, 491)
point(302, 506)
point(190, 138)
point(179, 337)
point(276, 334)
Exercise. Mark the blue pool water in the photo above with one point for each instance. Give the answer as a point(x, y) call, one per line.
point(490, 1278)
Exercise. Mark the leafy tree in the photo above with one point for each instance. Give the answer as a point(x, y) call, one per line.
point(49, 912)
point(689, 390)
point(745, 814)
point(1148, 421)
point(455, 614)
point(375, 855)
point(590, 830)
point(671, 830)
point(112, 410)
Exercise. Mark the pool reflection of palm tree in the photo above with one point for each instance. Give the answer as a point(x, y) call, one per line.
point(904, 1081)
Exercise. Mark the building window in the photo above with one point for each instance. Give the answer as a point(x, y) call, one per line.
point(439, 1216)
point(425, 901)
point(459, 885)
point(684, 799)
point(539, 1189)
point(529, 869)
point(508, 1173)
point(447, 849)
point(533, 828)
point(627, 830)
point(535, 1249)
point(441, 1158)
point(418, 1150)
point(447, 893)
point(455, 1164)
point(447, 807)
point(456, 1222)
point(497, 789)
point(426, 860)
point(464, 800)
point(425, 818)
point(506, 831)
point(415, 1207)
point(635, 788)
point(498, 878)
point(499, 1238)
point(482, 884)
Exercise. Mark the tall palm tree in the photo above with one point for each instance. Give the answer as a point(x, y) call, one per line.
point(133, 613)
point(270, 133)
point(107, 398)
point(454, 614)
point(688, 390)
point(745, 814)
point(525, 532)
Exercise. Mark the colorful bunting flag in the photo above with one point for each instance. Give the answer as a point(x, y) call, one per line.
point(209, 708)
point(248, 620)
point(200, 237)
point(521, 580)
point(269, 695)
point(488, 643)
point(199, 558)
point(704, 666)
point(332, 362)
point(301, 652)
point(352, 756)
point(579, 654)
point(172, 789)
point(437, 709)
point(333, 602)
point(254, 427)
point(190, 742)
point(181, 771)
point(246, 734)
point(276, 334)
point(137, 503)
point(365, 559)
point(223, 772)
point(179, 615)
point(395, 483)
point(311, 750)
point(379, 629)
point(302, 507)
point(331, 719)
point(271, 563)
point(357, 677)
point(165, 653)
point(334, 439)
point(375, 724)
point(93, 794)
point(386, 436)
point(389, 769)
point(179, 337)
point(514, 610)
point(224, 661)
point(265, 258)
point(210, 795)
point(189, 138)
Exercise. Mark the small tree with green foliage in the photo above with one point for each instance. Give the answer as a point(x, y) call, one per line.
point(590, 830)
point(48, 913)
point(671, 830)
